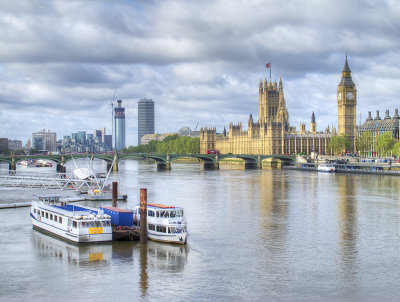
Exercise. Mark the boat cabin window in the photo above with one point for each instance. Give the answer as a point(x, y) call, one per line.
point(157, 214)
point(175, 230)
point(51, 216)
point(55, 218)
point(161, 229)
point(152, 227)
point(47, 215)
point(74, 224)
point(150, 213)
point(42, 214)
point(172, 230)
point(92, 224)
point(60, 219)
point(172, 214)
point(164, 214)
point(49, 198)
point(34, 210)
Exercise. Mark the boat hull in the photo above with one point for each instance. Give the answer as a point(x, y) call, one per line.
point(180, 238)
point(326, 168)
point(64, 234)
point(331, 170)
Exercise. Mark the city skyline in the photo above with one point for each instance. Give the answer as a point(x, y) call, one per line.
point(200, 61)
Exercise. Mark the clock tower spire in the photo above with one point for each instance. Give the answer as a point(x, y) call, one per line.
point(346, 102)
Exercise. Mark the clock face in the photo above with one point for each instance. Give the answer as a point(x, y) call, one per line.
point(339, 96)
point(350, 96)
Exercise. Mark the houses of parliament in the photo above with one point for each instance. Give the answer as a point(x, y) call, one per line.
point(273, 134)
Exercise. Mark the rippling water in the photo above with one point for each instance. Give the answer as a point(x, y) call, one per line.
point(255, 235)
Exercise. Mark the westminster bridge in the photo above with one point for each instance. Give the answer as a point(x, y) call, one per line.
point(163, 161)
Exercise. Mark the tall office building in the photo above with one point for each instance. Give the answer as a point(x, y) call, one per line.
point(14, 145)
point(44, 141)
point(119, 118)
point(3, 144)
point(103, 133)
point(145, 118)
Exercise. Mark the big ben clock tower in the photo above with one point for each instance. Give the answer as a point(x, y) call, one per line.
point(347, 101)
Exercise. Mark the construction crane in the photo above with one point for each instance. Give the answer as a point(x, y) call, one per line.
point(196, 126)
point(112, 119)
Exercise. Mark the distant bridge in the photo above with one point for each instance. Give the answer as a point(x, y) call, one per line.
point(163, 161)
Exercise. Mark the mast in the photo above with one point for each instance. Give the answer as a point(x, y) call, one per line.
point(112, 120)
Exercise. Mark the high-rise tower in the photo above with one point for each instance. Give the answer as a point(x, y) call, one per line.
point(145, 118)
point(347, 101)
point(119, 118)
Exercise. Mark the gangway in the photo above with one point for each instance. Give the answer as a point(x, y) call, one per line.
point(46, 181)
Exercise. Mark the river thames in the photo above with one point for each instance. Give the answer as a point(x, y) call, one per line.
point(255, 235)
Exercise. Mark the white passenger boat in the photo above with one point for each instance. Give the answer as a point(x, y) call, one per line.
point(74, 223)
point(326, 168)
point(164, 223)
point(23, 163)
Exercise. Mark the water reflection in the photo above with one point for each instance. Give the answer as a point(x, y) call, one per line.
point(160, 257)
point(273, 207)
point(83, 255)
point(347, 216)
point(167, 257)
point(144, 282)
point(153, 256)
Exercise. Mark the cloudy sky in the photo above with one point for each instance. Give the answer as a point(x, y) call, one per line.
point(200, 61)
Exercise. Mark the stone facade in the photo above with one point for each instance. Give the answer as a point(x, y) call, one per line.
point(272, 133)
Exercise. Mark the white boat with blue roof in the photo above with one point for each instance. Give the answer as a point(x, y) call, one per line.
point(74, 223)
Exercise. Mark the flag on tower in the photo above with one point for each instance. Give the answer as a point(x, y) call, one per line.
point(268, 65)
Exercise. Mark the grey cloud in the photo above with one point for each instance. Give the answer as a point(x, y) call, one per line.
point(199, 60)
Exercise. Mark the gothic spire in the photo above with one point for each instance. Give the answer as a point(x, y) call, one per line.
point(346, 75)
point(346, 67)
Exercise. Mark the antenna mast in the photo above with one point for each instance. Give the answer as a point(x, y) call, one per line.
point(112, 120)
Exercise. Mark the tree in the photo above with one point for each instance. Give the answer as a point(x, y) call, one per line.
point(396, 149)
point(339, 143)
point(364, 143)
point(384, 143)
point(5, 152)
point(171, 144)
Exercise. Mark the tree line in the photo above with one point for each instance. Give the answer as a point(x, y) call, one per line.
point(171, 144)
point(383, 144)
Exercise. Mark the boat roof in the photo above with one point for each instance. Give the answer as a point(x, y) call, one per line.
point(116, 209)
point(159, 205)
